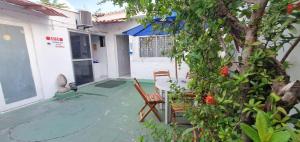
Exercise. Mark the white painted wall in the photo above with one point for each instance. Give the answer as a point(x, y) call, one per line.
point(143, 67)
point(293, 59)
point(46, 61)
point(112, 30)
point(53, 61)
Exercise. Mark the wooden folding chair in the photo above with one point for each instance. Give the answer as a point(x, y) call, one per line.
point(151, 100)
point(161, 74)
point(181, 107)
point(158, 74)
point(135, 81)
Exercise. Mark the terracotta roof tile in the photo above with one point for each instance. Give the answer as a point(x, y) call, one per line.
point(35, 7)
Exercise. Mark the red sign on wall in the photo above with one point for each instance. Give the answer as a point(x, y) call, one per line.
point(57, 42)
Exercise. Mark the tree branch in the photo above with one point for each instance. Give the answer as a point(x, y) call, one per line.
point(255, 19)
point(237, 28)
point(251, 31)
point(251, 37)
point(222, 42)
point(251, 1)
point(290, 50)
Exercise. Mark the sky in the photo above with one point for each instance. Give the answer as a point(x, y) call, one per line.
point(90, 5)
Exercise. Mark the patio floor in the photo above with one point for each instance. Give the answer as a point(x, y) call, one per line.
point(96, 115)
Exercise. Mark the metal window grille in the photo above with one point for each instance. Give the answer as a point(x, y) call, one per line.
point(155, 46)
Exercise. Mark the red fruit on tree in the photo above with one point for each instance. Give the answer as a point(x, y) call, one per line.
point(209, 99)
point(224, 71)
point(290, 8)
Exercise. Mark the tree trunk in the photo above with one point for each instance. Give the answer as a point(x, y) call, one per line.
point(250, 38)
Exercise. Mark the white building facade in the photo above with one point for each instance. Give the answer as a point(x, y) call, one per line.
point(36, 48)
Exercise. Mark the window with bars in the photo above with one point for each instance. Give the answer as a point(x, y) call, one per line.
point(155, 46)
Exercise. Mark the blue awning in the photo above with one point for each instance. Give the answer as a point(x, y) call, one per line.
point(147, 30)
point(141, 30)
point(134, 30)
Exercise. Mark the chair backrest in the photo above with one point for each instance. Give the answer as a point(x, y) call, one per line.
point(161, 74)
point(139, 88)
point(135, 81)
point(189, 95)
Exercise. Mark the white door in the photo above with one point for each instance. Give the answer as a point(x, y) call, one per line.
point(18, 74)
point(99, 52)
point(123, 55)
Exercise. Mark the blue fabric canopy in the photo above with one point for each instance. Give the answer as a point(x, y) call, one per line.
point(140, 30)
point(147, 30)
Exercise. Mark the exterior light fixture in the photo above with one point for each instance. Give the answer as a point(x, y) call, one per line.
point(6, 37)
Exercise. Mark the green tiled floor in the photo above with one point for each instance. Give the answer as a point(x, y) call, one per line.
point(96, 115)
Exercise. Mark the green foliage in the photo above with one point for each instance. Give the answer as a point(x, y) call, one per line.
point(159, 132)
point(247, 90)
point(264, 131)
point(54, 3)
point(163, 133)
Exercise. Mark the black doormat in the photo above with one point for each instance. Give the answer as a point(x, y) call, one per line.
point(110, 84)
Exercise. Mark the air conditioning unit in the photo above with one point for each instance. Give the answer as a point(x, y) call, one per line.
point(84, 20)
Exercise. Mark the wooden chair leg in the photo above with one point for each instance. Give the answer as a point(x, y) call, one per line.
point(194, 136)
point(144, 116)
point(173, 117)
point(142, 109)
point(155, 111)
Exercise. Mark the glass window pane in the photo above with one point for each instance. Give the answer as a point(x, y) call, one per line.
point(168, 45)
point(147, 46)
point(80, 46)
point(143, 47)
point(83, 72)
point(160, 46)
point(15, 72)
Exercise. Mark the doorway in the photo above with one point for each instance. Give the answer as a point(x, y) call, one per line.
point(123, 55)
point(99, 51)
point(18, 76)
point(81, 58)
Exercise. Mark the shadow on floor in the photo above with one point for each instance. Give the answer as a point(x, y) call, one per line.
point(95, 114)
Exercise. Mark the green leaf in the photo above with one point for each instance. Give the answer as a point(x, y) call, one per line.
point(250, 132)
point(141, 139)
point(282, 110)
point(269, 134)
point(245, 110)
point(281, 136)
point(255, 6)
point(188, 131)
point(261, 125)
point(286, 118)
point(275, 97)
point(255, 43)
